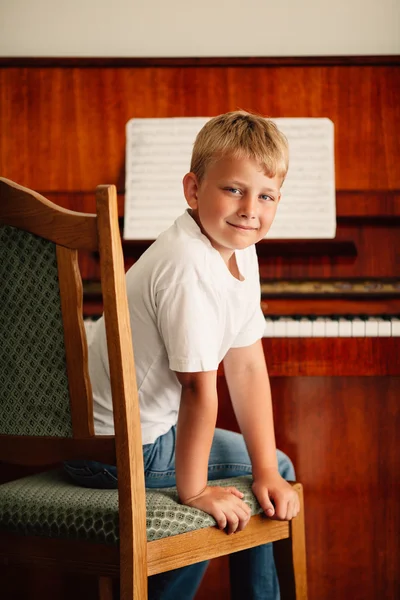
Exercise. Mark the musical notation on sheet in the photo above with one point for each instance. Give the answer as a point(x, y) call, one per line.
point(158, 155)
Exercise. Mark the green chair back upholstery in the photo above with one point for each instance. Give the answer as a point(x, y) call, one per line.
point(34, 395)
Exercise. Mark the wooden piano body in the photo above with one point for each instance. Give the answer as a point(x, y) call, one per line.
point(336, 399)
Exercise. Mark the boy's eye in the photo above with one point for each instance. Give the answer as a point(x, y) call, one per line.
point(235, 191)
point(266, 197)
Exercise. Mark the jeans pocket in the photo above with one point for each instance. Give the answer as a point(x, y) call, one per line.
point(100, 477)
point(148, 450)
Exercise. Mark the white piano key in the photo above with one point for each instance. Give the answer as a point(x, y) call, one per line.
point(318, 328)
point(384, 328)
point(331, 328)
point(293, 328)
point(371, 327)
point(344, 328)
point(305, 328)
point(326, 327)
point(357, 328)
point(279, 328)
point(395, 322)
point(268, 331)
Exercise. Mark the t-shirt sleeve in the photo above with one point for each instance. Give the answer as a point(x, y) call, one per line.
point(189, 322)
point(252, 330)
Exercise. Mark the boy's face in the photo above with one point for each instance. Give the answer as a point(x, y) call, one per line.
point(235, 203)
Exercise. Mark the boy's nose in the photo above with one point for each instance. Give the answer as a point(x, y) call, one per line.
point(247, 207)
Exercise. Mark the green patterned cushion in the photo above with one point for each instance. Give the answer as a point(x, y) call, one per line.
point(34, 396)
point(50, 505)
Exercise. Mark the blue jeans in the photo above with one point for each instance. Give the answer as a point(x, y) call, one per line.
point(252, 572)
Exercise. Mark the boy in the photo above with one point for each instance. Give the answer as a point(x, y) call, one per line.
point(194, 300)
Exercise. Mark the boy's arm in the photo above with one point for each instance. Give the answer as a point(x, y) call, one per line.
point(248, 383)
point(195, 431)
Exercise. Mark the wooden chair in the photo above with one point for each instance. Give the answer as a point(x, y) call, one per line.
point(46, 416)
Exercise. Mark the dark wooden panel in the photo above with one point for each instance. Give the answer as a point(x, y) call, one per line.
point(332, 356)
point(341, 435)
point(371, 204)
point(204, 61)
point(293, 357)
point(330, 306)
point(64, 128)
point(30, 584)
point(378, 256)
point(37, 450)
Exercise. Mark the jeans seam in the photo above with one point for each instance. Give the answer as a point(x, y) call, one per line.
point(159, 474)
point(230, 467)
point(211, 468)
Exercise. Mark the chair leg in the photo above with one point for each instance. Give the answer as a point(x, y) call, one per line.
point(105, 588)
point(297, 530)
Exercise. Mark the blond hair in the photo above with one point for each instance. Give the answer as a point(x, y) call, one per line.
point(242, 135)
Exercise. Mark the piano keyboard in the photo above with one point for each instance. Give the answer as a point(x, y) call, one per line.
point(340, 326)
point(295, 327)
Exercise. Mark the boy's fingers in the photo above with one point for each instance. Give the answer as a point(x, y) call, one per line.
point(290, 511)
point(233, 523)
point(237, 520)
point(235, 492)
point(295, 508)
point(283, 509)
point(230, 512)
point(281, 512)
point(242, 524)
point(267, 505)
point(221, 520)
point(243, 508)
point(237, 516)
point(244, 518)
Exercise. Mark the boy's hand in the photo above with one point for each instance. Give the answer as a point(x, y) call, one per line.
point(276, 496)
point(225, 505)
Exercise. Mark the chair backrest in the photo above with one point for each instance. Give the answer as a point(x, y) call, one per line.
point(46, 407)
point(34, 394)
point(44, 382)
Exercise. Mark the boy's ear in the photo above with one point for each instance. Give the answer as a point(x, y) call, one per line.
point(190, 189)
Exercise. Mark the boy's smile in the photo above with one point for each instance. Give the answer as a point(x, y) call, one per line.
point(235, 203)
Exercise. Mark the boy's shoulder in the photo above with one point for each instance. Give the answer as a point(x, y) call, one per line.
point(181, 252)
point(184, 230)
point(183, 241)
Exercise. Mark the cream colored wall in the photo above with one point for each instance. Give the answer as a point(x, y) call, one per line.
point(202, 28)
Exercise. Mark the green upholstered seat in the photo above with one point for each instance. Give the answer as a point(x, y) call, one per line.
point(50, 505)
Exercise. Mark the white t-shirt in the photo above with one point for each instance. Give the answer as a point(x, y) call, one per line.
point(186, 310)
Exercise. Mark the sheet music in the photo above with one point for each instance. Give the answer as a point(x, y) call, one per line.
point(158, 155)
